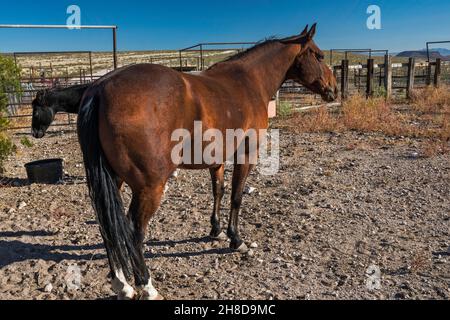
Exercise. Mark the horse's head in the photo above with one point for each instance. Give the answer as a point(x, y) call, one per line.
point(309, 68)
point(43, 114)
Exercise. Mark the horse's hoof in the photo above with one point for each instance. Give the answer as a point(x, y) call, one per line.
point(146, 297)
point(123, 296)
point(242, 248)
point(221, 237)
point(159, 298)
point(175, 174)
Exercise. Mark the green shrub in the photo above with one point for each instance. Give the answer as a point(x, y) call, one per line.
point(380, 92)
point(285, 109)
point(26, 142)
point(9, 80)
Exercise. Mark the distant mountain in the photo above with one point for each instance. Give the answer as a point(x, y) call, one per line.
point(422, 55)
point(442, 51)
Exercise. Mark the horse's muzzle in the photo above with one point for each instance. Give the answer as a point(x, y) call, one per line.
point(38, 134)
point(330, 95)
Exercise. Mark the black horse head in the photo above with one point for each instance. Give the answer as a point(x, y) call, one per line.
point(51, 101)
point(43, 114)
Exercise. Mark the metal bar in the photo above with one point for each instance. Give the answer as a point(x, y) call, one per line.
point(53, 125)
point(216, 44)
point(49, 52)
point(185, 49)
point(115, 47)
point(433, 42)
point(32, 26)
point(388, 76)
point(90, 66)
point(201, 58)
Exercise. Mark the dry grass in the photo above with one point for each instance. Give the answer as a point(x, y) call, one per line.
point(432, 100)
point(426, 116)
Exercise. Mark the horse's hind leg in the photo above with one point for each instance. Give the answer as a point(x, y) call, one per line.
point(120, 286)
point(218, 183)
point(144, 205)
point(240, 175)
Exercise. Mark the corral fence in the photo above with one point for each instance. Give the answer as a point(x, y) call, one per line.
point(36, 77)
point(389, 79)
point(203, 55)
point(379, 74)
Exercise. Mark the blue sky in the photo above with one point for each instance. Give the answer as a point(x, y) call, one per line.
point(148, 25)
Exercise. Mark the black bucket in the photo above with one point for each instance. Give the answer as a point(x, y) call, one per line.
point(45, 171)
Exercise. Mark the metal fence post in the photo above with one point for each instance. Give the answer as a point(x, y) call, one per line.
point(115, 47)
point(411, 73)
point(370, 75)
point(90, 66)
point(388, 75)
point(344, 79)
point(437, 73)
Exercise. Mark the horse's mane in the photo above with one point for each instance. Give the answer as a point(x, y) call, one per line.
point(42, 96)
point(243, 54)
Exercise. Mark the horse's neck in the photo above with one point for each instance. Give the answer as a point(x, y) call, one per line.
point(67, 100)
point(266, 68)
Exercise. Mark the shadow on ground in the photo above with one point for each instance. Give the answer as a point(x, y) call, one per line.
point(15, 250)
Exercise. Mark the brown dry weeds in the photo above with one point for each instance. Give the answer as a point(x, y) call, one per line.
point(425, 116)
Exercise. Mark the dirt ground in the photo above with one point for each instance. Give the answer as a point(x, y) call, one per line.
point(341, 207)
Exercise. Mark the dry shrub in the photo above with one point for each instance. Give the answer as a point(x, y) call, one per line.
point(434, 148)
point(431, 100)
point(367, 115)
point(317, 120)
point(357, 113)
point(427, 117)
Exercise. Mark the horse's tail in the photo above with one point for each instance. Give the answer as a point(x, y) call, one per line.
point(116, 230)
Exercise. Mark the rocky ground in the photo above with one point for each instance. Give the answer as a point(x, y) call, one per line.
point(342, 209)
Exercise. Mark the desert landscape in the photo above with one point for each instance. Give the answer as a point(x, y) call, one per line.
point(351, 195)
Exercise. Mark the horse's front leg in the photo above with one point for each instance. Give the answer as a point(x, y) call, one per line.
point(218, 184)
point(240, 175)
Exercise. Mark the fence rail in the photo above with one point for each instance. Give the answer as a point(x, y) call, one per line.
point(390, 76)
point(365, 78)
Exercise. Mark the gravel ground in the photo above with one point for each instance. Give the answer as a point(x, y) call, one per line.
point(342, 207)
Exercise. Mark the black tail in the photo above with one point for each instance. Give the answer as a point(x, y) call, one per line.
point(116, 230)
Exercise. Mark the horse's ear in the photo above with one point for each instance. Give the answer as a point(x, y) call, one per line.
point(41, 95)
point(304, 32)
point(303, 38)
point(312, 32)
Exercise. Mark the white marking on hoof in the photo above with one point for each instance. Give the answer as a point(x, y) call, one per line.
point(120, 286)
point(243, 248)
point(176, 173)
point(166, 188)
point(221, 237)
point(149, 293)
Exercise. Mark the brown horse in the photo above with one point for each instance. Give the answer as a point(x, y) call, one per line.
point(127, 120)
